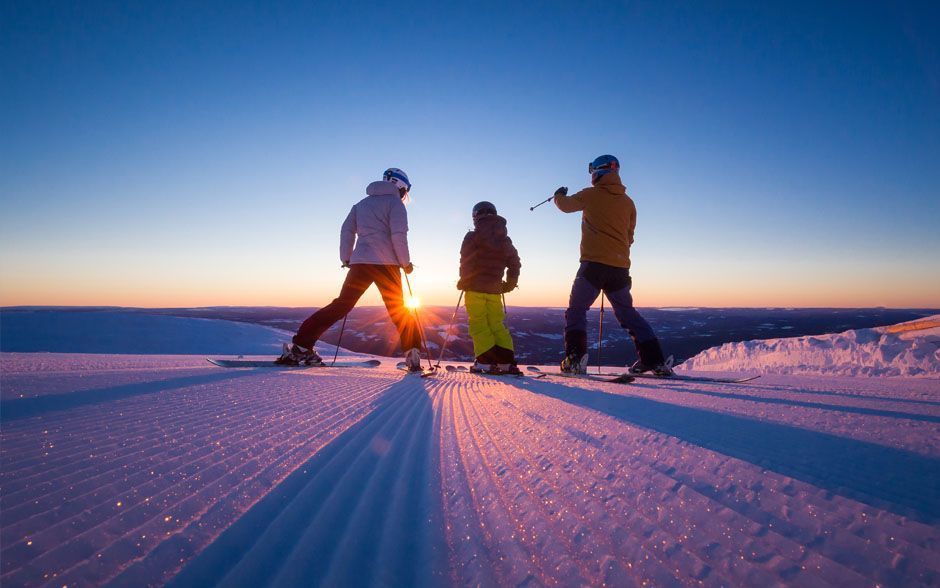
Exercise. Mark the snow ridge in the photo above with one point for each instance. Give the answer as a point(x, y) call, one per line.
point(906, 349)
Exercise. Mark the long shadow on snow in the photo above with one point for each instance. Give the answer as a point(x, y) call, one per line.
point(365, 510)
point(846, 395)
point(20, 408)
point(789, 402)
point(901, 481)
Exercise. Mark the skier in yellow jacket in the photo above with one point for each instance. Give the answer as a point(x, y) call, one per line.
point(608, 219)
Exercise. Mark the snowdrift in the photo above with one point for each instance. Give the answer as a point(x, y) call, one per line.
point(905, 349)
point(132, 332)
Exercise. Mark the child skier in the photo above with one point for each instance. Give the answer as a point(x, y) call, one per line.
point(374, 246)
point(607, 223)
point(486, 252)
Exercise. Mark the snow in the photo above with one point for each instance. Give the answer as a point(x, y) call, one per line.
point(131, 332)
point(906, 349)
point(140, 470)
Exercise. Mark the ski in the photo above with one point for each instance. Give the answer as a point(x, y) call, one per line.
point(684, 378)
point(463, 369)
point(424, 373)
point(261, 363)
point(609, 378)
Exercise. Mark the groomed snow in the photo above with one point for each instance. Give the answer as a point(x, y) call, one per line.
point(906, 349)
point(141, 470)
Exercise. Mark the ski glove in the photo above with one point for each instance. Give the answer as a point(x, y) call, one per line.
point(408, 268)
point(460, 285)
point(563, 191)
point(509, 287)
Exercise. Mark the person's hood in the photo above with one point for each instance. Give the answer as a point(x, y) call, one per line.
point(382, 188)
point(491, 230)
point(611, 183)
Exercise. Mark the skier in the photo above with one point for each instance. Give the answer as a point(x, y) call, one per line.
point(374, 246)
point(487, 252)
point(607, 223)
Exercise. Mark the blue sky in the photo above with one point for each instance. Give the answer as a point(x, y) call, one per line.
point(162, 154)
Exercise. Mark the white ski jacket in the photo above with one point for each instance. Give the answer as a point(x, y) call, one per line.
point(376, 229)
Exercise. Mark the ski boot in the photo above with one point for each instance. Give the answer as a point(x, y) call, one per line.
point(293, 354)
point(663, 369)
point(482, 368)
point(413, 360)
point(508, 369)
point(575, 364)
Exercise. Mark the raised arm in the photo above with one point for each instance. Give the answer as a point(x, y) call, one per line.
point(572, 203)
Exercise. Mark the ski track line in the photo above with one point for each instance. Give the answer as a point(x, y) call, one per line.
point(229, 479)
point(655, 562)
point(120, 448)
point(597, 521)
point(513, 561)
point(343, 500)
point(211, 486)
point(126, 468)
point(535, 474)
point(68, 552)
point(671, 540)
point(472, 560)
point(495, 511)
point(825, 543)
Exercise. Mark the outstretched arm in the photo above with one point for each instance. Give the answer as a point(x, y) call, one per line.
point(572, 203)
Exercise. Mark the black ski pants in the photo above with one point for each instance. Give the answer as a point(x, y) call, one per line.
point(358, 280)
point(593, 278)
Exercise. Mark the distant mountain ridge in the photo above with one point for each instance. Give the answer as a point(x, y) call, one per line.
point(537, 332)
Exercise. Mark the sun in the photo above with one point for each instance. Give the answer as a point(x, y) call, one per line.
point(412, 302)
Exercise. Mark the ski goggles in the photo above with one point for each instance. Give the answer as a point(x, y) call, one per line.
point(592, 168)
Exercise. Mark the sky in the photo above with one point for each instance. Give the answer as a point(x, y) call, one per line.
point(198, 154)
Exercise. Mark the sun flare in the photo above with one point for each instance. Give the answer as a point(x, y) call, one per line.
point(412, 302)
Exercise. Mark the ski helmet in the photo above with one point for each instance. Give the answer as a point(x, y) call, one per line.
point(602, 166)
point(397, 177)
point(483, 208)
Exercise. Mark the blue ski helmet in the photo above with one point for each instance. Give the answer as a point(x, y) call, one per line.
point(397, 177)
point(482, 209)
point(602, 166)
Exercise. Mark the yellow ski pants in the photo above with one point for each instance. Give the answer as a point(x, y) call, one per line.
point(485, 315)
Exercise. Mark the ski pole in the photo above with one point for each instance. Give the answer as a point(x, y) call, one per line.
point(420, 328)
point(341, 329)
point(600, 334)
point(541, 203)
point(453, 319)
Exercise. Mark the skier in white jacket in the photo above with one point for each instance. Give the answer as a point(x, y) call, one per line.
point(374, 245)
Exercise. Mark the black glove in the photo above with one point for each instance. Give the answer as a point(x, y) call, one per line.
point(509, 286)
point(408, 268)
point(461, 286)
point(563, 191)
point(345, 264)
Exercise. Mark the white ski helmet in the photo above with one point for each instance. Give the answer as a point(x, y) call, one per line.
point(397, 177)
